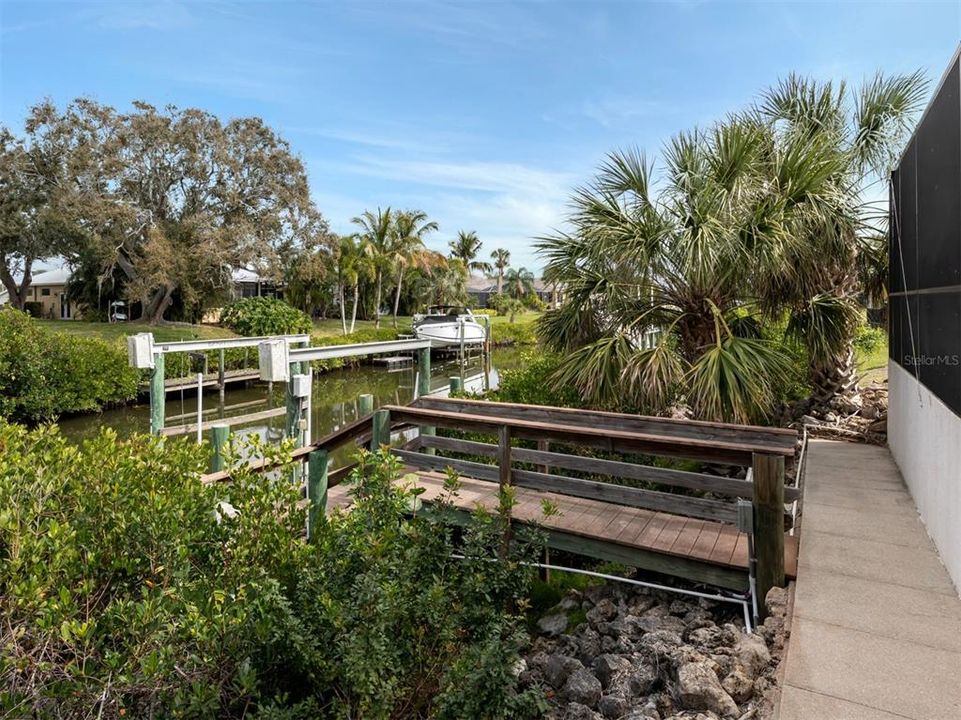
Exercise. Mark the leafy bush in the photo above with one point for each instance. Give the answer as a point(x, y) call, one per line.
point(532, 383)
point(869, 339)
point(44, 374)
point(264, 316)
point(517, 333)
point(129, 589)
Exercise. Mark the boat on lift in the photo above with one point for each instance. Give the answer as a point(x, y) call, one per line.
point(445, 325)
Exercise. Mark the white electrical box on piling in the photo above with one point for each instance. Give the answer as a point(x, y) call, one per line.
point(140, 352)
point(274, 361)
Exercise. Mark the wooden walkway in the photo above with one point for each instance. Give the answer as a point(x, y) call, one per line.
point(630, 534)
point(615, 501)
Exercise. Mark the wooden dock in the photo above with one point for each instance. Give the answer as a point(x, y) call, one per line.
point(616, 504)
point(711, 552)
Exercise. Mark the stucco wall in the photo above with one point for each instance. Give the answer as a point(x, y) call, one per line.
point(925, 440)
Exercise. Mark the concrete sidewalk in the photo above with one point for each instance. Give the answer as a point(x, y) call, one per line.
point(876, 631)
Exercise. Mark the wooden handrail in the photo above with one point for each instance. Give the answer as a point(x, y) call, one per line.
point(732, 487)
point(755, 435)
point(614, 440)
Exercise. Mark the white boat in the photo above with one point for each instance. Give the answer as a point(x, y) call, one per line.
point(444, 325)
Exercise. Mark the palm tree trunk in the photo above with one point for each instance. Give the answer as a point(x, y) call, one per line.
point(400, 282)
point(353, 317)
point(380, 281)
point(500, 281)
point(343, 307)
point(834, 387)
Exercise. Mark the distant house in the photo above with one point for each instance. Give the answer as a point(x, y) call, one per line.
point(248, 283)
point(48, 295)
point(480, 289)
point(49, 291)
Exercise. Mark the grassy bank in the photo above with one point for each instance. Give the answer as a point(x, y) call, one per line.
point(118, 331)
point(871, 356)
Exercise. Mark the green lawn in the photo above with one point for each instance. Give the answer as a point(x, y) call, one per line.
point(329, 327)
point(117, 331)
point(873, 364)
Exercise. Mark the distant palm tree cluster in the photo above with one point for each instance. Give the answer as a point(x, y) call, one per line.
point(388, 257)
point(751, 244)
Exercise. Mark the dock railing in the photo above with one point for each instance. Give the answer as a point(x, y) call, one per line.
point(761, 450)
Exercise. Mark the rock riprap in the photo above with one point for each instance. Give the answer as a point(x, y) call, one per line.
point(647, 655)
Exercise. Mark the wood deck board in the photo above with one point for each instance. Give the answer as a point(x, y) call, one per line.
point(701, 540)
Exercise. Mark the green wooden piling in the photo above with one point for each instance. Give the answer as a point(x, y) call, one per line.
point(423, 388)
point(423, 372)
point(456, 385)
point(219, 434)
point(158, 395)
point(316, 491)
point(221, 375)
point(381, 429)
point(366, 403)
point(768, 481)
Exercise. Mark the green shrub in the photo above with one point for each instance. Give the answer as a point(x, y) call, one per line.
point(532, 383)
point(869, 339)
point(44, 374)
point(129, 589)
point(517, 333)
point(256, 316)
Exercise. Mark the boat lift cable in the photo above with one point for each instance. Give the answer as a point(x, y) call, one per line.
point(741, 600)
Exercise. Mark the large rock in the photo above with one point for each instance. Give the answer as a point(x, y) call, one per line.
point(582, 687)
point(576, 711)
point(553, 624)
point(738, 685)
point(607, 666)
point(559, 668)
point(613, 707)
point(752, 654)
point(699, 689)
point(604, 611)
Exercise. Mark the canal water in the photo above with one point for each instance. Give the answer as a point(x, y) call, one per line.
point(334, 399)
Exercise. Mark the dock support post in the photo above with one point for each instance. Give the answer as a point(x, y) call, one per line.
point(423, 388)
point(463, 351)
point(768, 477)
point(381, 430)
point(366, 404)
point(294, 417)
point(456, 385)
point(158, 395)
point(218, 446)
point(316, 491)
point(505, 499)
point(221, 376)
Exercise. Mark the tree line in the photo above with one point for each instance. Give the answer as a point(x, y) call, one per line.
point(159, 206)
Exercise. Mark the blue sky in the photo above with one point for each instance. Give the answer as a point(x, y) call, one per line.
point(483, 114)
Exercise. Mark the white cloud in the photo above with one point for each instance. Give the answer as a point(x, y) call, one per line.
point(615, 111)
point(143, 15)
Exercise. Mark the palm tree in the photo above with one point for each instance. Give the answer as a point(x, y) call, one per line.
point(841, 253)
point(407, 247)
point(353, 262)
point(520, 283)
point(683, 260)
point(466, 248)
point(502, 261)
point(449, 283)
point(377, 234)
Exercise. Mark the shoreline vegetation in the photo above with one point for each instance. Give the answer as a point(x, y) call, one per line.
point(51, 369)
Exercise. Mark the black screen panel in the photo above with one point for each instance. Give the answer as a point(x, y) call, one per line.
point(925, 248)
point(939, 188)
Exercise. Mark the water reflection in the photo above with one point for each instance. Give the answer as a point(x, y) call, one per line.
point(334, 402)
